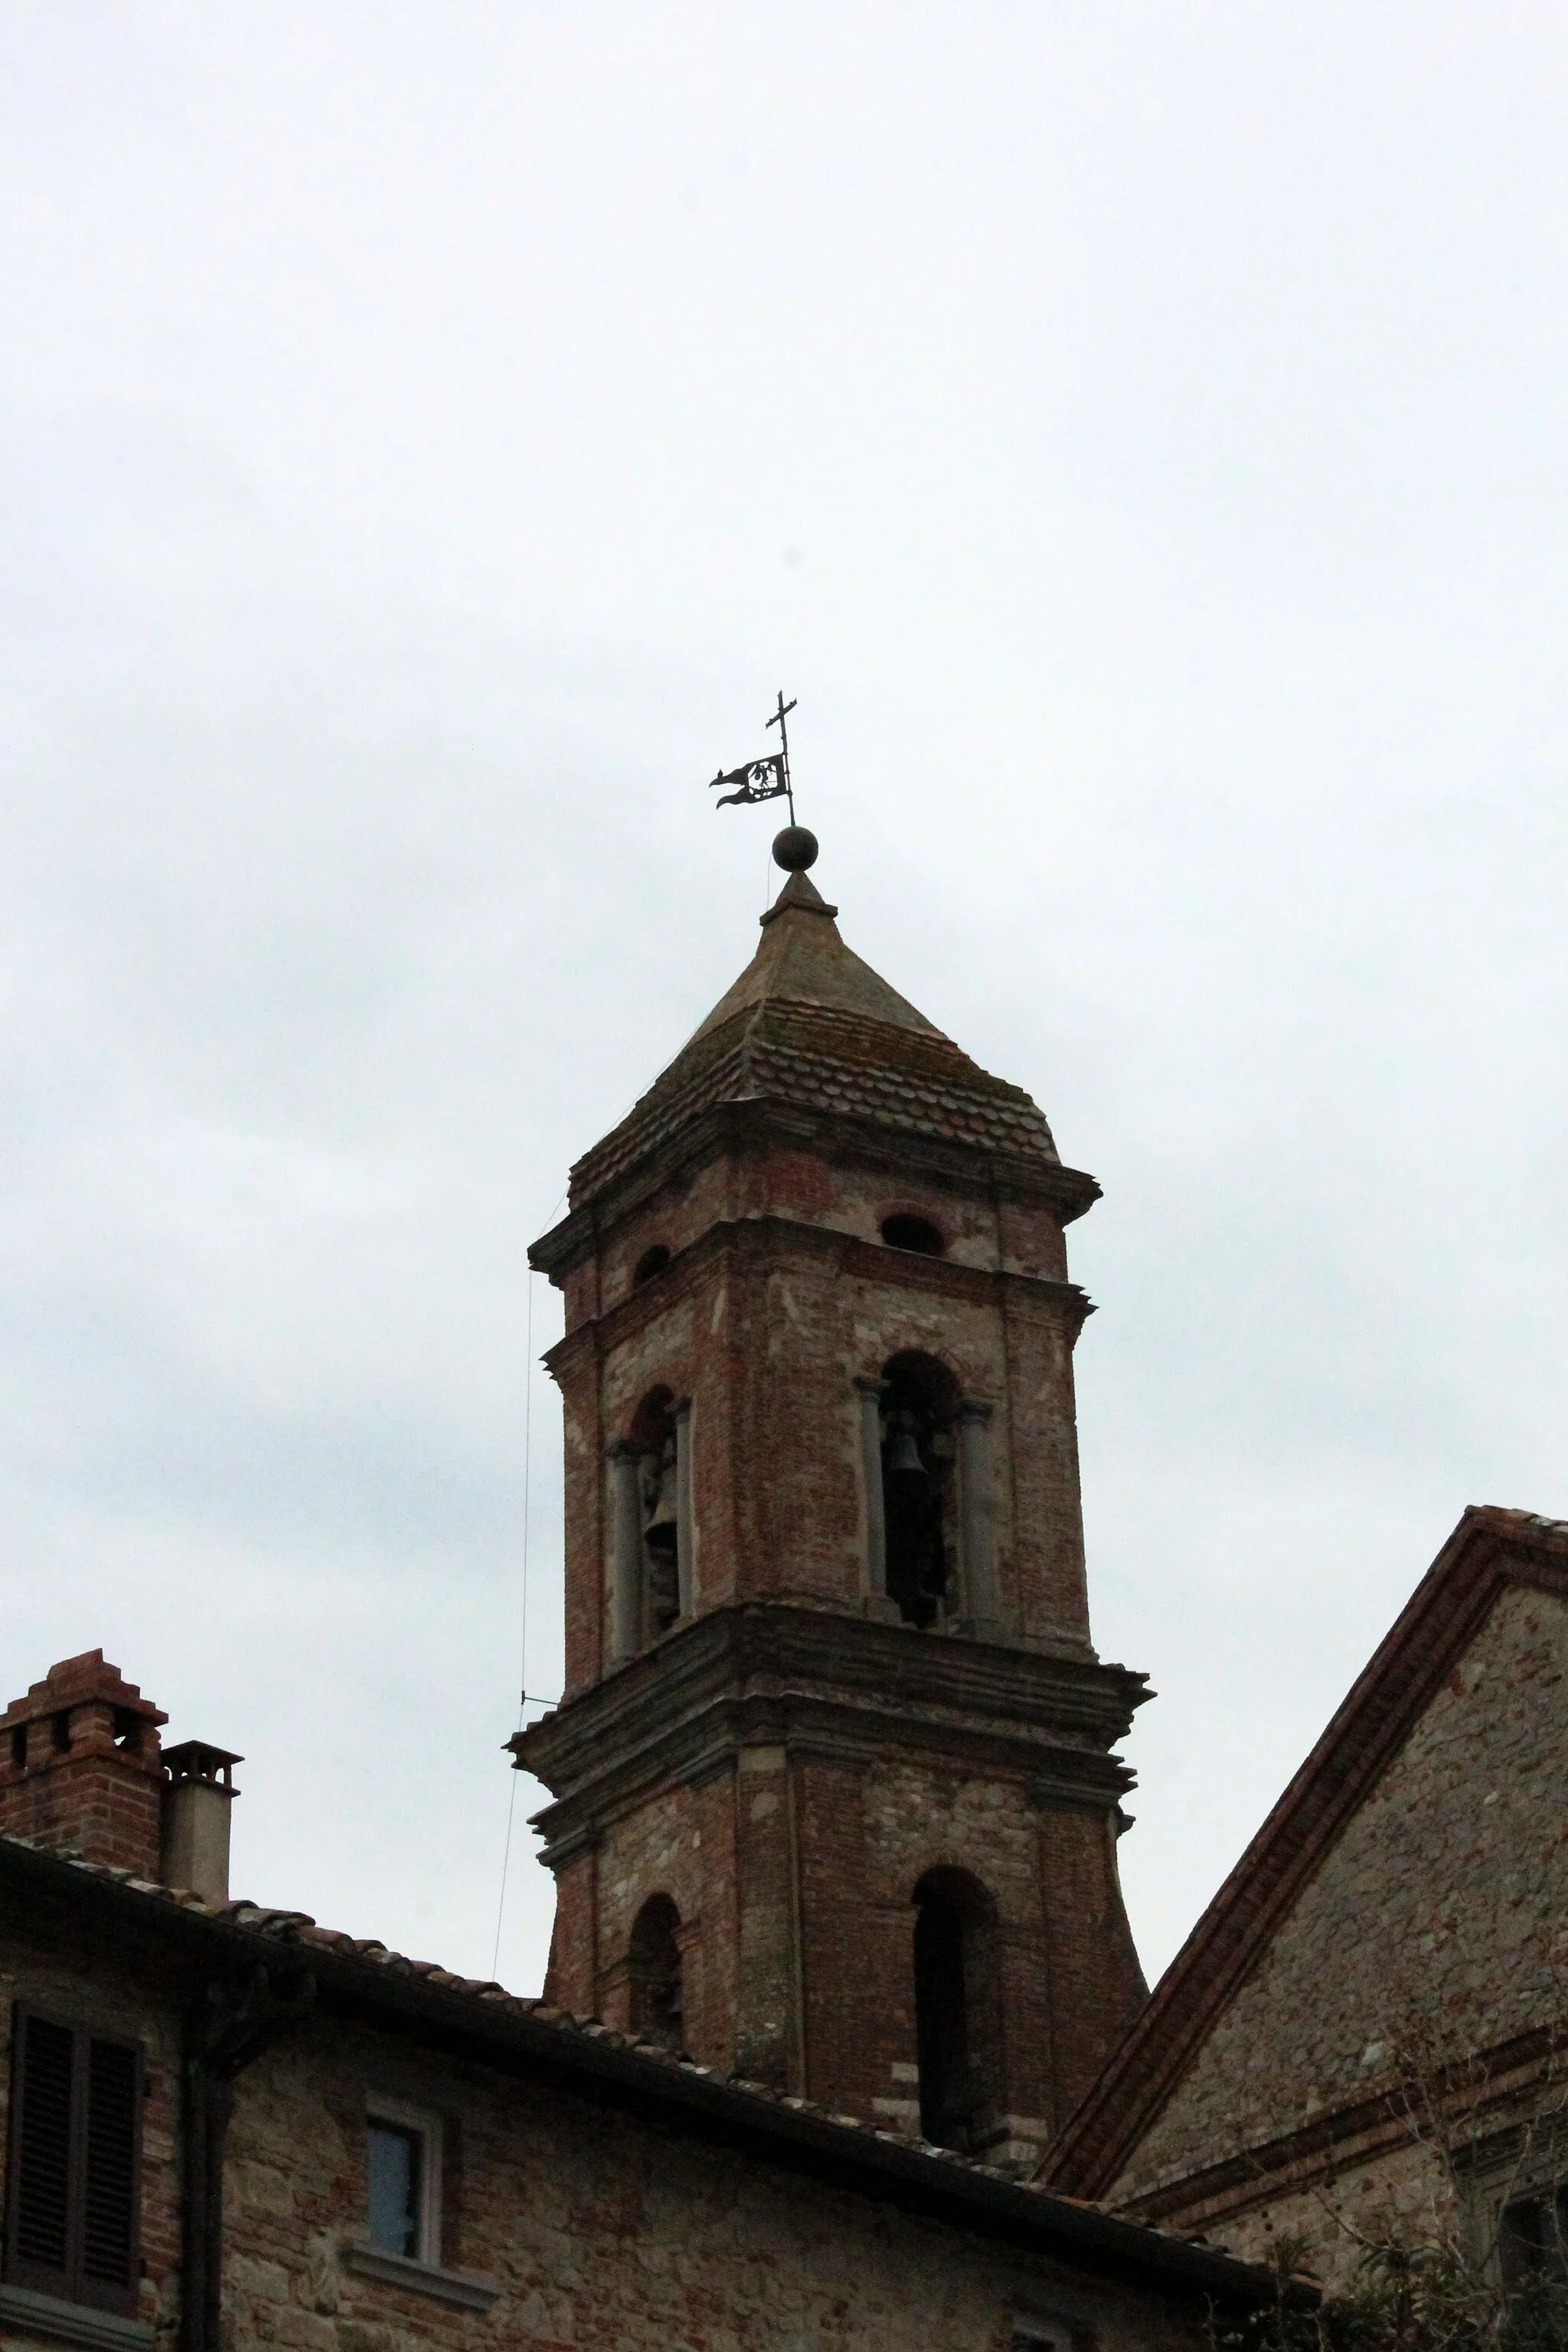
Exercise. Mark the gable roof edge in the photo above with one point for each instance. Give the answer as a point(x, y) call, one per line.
point(1490, 1548)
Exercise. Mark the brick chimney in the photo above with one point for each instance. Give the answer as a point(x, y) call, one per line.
point(81, 1769)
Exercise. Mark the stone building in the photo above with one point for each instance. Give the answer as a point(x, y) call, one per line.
point(834, 1804)
point(833, 1827)
point(1365, 2034)
point(227, 2127)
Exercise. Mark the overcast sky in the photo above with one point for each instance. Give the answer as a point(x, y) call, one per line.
point(431, 435)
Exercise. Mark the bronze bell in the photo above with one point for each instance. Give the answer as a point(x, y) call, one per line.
point(658, 1492)
point(904, 1461)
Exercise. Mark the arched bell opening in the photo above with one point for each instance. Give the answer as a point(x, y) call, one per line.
point(654, 1954)
point(919, 1401)
point(653, 1439)
point(958, 2009)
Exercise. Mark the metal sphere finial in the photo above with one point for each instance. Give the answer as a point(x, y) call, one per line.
point(795, 848)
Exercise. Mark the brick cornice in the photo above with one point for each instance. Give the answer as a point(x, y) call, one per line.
point(753, 1127)
point(1322, 2149)
point(753, 1238)
point(772, 1673)
point(1489, 1550)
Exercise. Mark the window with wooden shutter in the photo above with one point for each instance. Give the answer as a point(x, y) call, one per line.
point(75, 2163)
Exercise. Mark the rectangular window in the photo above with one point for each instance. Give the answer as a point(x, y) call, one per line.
point(1534, 2237)
point(404, 2168)
point(75, 2170)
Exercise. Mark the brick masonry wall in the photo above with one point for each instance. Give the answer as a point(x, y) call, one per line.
point(766, 1335)
point(794, 1882)
point(802, 1872)
point(1021, 1237)
point(99, 1806)
point(1437, 1921)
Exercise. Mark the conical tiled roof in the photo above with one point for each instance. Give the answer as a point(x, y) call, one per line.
point(805, 963)
point(809, 1023)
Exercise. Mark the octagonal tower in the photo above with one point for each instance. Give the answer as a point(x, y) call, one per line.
point(835, 1806)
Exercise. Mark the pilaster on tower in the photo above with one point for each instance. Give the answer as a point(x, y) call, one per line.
point(835, 1805)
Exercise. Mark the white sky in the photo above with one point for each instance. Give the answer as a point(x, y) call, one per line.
point(430, 435)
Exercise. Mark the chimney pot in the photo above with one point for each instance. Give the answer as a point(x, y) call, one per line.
point(198, 1790)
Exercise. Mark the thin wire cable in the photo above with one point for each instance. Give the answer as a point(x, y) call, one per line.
point(523, 1646)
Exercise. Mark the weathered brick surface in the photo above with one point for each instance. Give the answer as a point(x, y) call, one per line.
point(793, 1855)
point(1433, 1927)
point(766, 1332)
point(80, 1766)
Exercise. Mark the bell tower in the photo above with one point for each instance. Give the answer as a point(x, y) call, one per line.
point(833, 1801)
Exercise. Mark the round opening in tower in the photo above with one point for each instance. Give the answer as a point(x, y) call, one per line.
point(913, 1234)
point(652, 1261)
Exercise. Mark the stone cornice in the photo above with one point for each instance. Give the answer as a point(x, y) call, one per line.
point(814, 1680)
point(839, 1138)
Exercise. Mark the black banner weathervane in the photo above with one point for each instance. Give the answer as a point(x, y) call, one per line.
point(767, 779)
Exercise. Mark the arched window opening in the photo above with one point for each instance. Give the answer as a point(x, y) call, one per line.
point(652, 1261)
point(653, 1436)
point(958, 2016)
point(913, 1234)
point(655, 1956)
point(919, 1409)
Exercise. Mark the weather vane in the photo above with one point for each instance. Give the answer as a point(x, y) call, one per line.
point(767, 779)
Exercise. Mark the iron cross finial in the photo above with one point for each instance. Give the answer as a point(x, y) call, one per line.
point(767, 779)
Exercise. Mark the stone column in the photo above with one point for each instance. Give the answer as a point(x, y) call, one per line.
point(626, 1591)
point(685, 1561)
point(982, 1597)
point(877, 1603)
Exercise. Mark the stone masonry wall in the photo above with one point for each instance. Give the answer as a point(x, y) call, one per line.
point(602, 2232)
point(1437, 1922)
point(606, 2235)
point(86, 1989)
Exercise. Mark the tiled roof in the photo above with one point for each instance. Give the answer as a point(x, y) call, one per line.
point(809, 1023)
point(1105, 2235)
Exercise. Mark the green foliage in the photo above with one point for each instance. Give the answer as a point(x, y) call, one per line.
point(1403, 2296)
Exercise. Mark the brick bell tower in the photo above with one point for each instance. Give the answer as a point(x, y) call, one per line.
point(835, 1806)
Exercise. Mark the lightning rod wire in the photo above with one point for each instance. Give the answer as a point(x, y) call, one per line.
point(522, 1644)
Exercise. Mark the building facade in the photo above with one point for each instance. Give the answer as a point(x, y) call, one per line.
point(1365, 2041)
point(835, 1803)
point(225, 2129)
